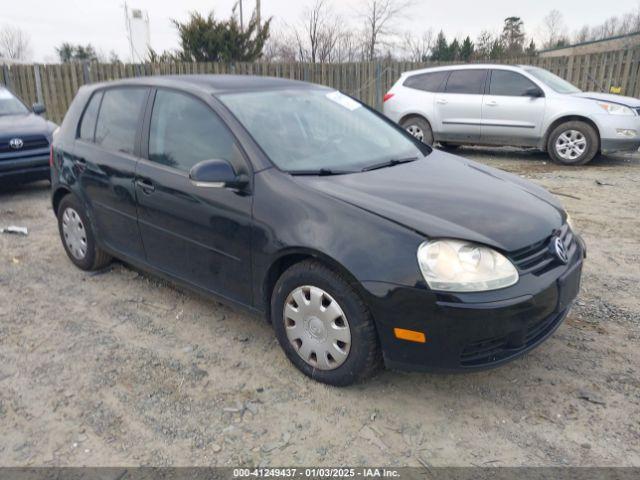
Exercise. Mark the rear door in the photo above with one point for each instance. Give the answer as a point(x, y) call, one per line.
point(105, 156)
point(201, 235)
point(459, 106)
point(510, 114)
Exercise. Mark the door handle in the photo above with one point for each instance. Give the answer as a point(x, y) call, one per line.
point(441, 101)
point(145, 185)
point(492, 103)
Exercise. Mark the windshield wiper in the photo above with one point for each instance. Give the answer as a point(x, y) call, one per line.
point(320, 172)
point(389, 163)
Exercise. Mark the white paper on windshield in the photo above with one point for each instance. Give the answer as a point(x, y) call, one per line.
point(5, 94)
point(344, 101)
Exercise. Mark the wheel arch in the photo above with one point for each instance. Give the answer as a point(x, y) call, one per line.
point(57, 197)
point(564, 119)
point(415, 114)
point(291, 256)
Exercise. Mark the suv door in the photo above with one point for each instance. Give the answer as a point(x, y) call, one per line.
point(459, 106)
point(106, 151)
point(201, 235)
point(513, 110)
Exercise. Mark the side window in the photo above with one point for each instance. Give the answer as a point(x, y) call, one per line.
point(466, 81)
point(185, 131)
point(88, 122)
point(429, 82)
point(119, 118)
point(505, 82)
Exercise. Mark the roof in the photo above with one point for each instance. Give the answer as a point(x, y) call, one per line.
point(217, 83)
point(589, 42)
point(458, 66)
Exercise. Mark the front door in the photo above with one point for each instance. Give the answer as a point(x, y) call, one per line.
point(459, 106)
point(201, 235)
point(511, 114)
point(105, 156)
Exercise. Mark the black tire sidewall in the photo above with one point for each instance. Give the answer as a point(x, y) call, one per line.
point(362, 359)
point(589, 133)
point(71, 201)
point(427, 132)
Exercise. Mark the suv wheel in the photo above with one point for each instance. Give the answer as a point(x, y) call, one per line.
point(77, 236)
point(573, 143)
point(323, 325)
point(419, 128)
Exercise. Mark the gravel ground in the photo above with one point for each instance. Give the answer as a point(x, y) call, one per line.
point(118, 368)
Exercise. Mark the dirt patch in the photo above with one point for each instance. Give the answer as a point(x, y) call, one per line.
point(118, 368)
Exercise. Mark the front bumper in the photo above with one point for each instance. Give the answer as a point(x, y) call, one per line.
point(610, 140)
point(27, 168)
point(612, 145)
point(473, 331)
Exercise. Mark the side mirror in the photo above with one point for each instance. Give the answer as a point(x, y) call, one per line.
point(217, 173)
point(534, 92)
point(38, 108)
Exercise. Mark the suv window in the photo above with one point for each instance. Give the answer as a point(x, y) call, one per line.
point(429, 82)
point(119, 118)
point(505, 82)
point(88, 122)
point(466, 81)
point(185, 131)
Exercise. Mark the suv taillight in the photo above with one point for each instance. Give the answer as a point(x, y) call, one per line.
point(387, 96)
point(51, 155)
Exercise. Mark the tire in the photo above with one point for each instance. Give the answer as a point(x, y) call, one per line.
point(583, 141)
point(419, 128)
point(310, 279)
point(77, 236)
point(449, 146)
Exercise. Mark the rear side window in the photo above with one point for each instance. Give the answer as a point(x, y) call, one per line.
point(119, 118)
point(429, 82)
point(504, 82)
point(185, 131)
point(466, 81)
point(88, 122)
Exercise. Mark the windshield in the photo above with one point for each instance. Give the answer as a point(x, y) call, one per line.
point(314, 130)
point(10, 105)
point(552, 81)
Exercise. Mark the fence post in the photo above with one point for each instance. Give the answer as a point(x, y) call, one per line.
point(378, 87)
point(36, 74)
point(86, 73)
point(7, 75)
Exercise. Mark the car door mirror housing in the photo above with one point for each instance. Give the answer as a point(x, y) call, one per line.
point(534, 92)
point(38, 108)
point(217, 173)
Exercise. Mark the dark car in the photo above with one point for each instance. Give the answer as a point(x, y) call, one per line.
point(24, 141)
point(359, 243)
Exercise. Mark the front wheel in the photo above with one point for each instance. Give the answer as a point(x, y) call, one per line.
point(573, 143)
point(419, 128)
point(323, 325)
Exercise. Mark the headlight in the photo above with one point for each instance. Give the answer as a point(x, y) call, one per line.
point(458, 266)
point(615, 108)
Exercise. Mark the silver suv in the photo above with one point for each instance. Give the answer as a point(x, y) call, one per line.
point(513, 105)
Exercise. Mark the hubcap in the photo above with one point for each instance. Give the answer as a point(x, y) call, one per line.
point(74, 233)
point(571, 144)
point(317, 328)
point(416, 131)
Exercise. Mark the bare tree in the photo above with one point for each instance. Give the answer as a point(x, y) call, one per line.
point(553, 28)
point(418, 49)
point(379, 17)
point(316, 39)
point(14, 43)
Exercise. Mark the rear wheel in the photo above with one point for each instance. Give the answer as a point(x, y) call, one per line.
point(573, 143)
point(323, 325)
point(77, 236)
point(419, 128)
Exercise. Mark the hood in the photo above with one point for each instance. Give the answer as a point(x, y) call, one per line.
point(610, 97)
point(443, 195)
point(27, 124)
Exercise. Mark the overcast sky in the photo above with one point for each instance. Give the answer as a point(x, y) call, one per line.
point(101, 22)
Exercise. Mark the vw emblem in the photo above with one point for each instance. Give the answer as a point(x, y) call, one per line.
point(16, 143)
point(559, 250)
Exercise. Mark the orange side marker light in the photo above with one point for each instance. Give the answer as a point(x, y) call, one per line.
point(410, 335)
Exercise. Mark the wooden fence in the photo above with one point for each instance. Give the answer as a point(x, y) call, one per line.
point(56, 85)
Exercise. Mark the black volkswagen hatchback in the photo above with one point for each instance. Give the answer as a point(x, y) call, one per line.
point(360, 244)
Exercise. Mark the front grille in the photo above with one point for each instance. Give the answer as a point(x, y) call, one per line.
point(538, 258)
point(491, 350)
point(30, 142)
